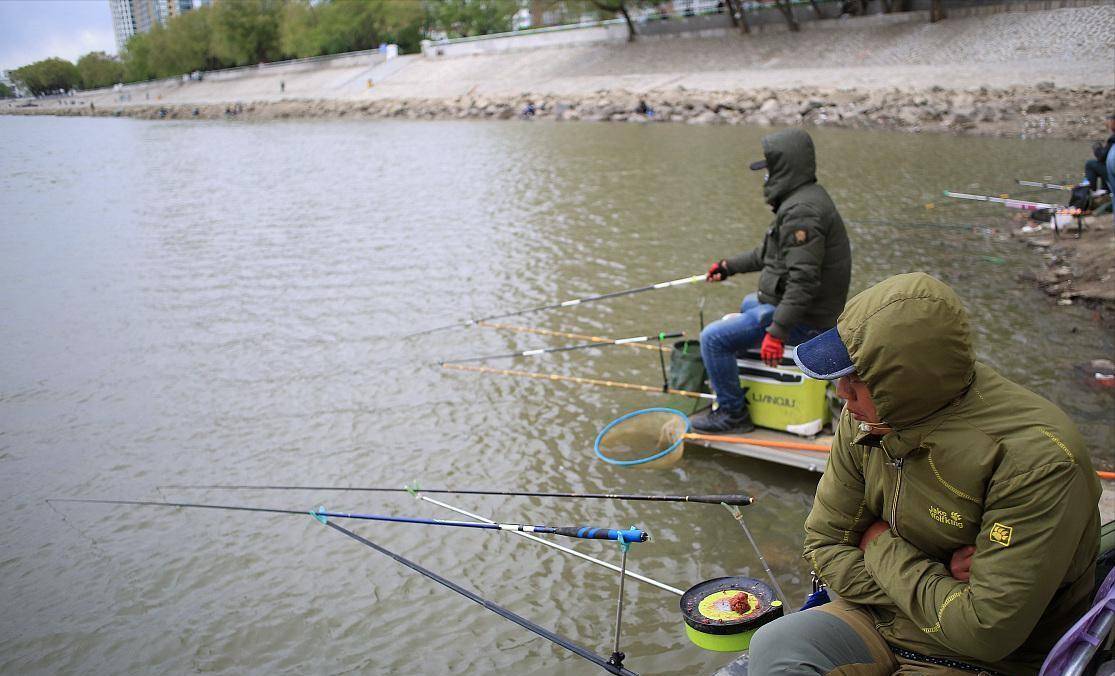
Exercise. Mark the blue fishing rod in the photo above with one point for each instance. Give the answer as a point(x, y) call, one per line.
point(613, 665)
point(321, 514)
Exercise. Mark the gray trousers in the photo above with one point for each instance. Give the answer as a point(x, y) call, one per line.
point(837, 639)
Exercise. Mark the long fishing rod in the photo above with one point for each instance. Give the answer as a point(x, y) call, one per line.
point(567, 303)
point(580, 381)
point(566, 348)
point(321, 514)
point(740, 500)
point(1011, 203)
point(565, 334)
point(1041, 184)
point(556, 639)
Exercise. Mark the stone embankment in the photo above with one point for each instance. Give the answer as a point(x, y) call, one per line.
point(1079, 267)
point(1041, 110)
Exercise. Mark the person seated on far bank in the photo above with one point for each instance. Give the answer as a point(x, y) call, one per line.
point(957, 517)
point(805, 262)
point(1097, 168)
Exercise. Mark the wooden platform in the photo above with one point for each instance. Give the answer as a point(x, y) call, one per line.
point(811, 461)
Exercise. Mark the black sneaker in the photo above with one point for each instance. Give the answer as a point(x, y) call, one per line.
point(721, 420)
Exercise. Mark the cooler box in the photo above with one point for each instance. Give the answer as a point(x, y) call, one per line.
point(783, 398)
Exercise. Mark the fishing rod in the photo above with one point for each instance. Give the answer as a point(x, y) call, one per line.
point(556, 639)
point(580, 381)
point(1040, 184)
point(740, 500)
point(567, 303)
point(321, 514)
point(565, 334)
point(567, 348)
point(1011, 203)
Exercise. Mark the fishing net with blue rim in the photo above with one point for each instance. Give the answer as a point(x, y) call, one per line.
point(652, 438)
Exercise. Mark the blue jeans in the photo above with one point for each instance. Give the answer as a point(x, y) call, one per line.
point(725, 338)
point(1094, 169)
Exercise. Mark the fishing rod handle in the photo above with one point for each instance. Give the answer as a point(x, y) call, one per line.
point(589, 533)
point(736, 500)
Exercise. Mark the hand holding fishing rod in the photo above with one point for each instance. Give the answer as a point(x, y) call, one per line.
point(562, 304)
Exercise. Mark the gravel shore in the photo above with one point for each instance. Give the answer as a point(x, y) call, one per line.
point(1039, 111)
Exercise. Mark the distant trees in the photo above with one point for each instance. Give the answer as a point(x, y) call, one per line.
point(464, 18)
point(97, 69)
point(6, 92)
point(243, 32)
point(48, 76)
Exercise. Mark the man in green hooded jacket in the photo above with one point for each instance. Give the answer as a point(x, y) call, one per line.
point(957, 517)
point(805, 261)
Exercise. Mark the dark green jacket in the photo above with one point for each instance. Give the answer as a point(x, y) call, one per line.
point(974, 459)
point(805, 257)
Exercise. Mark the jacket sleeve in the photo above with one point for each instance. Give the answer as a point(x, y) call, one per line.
point(748, 261)
point(1030, 531)
point(803, 245)
point(1101, 150)
point(838, 519)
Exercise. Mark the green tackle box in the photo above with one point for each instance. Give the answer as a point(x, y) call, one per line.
point(784, 398)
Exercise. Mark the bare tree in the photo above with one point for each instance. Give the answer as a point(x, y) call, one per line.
point(788, 13)
point(618, 7)
point(738, 14)
point(936, 11)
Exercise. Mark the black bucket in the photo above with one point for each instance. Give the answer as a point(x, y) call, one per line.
point(687, 371)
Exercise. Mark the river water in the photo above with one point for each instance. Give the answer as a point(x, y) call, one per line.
point(224, 302)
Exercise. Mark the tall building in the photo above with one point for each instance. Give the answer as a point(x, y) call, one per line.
point(139, 16)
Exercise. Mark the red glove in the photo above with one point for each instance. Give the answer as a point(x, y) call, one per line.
point(717, 272)
point(771, 350)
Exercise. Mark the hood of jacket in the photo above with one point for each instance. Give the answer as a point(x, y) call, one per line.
point(791, 163)
point(910, 341)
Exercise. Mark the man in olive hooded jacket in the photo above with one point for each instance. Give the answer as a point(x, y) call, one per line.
point(957, 516)
point(805, 262)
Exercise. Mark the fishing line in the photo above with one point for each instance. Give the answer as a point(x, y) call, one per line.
point(498, 610)
point(562, 304)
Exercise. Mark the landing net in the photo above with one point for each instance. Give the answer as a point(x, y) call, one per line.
point(651, 437)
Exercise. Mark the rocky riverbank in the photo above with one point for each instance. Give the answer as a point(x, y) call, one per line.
point(1079, 267)
point(1042, 110)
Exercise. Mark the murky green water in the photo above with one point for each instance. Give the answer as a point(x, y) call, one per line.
point(224, 302)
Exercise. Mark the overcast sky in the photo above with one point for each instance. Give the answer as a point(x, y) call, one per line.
point(36, 29)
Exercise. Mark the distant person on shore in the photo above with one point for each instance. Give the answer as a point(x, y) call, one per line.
point(957, 517)
point(644, 109)
point(805, 265)
point(528, 111)
point(1097, 169)
point(282, 86)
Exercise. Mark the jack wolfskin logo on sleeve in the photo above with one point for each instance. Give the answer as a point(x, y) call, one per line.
point(948, 518)
point(1000, 534)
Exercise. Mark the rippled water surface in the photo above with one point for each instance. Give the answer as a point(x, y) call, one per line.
point(219, 302)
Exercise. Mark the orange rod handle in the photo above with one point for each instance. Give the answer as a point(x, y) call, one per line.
point(792, 445)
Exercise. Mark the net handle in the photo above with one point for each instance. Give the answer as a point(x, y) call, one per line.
point(627, 416)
